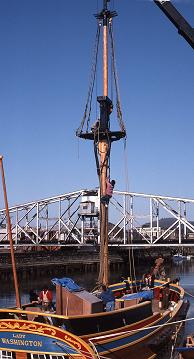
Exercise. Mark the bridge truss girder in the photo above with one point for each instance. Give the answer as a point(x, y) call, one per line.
point(56, 221)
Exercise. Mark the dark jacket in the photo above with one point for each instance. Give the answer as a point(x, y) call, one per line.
point(107, 296)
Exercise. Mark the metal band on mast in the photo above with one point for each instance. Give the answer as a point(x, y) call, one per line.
point(18, 302)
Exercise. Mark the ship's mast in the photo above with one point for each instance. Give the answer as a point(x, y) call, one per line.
point(17, 294)
point(103, 137)
point(103, 150)
point(105, 50)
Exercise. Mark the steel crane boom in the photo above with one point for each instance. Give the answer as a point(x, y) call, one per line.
point(184, 28)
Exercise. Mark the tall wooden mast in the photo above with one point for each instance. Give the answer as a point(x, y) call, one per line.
point(103, 151)
point(103, 137)
point(18, 302)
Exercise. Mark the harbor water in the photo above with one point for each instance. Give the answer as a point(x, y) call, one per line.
point(183, 269)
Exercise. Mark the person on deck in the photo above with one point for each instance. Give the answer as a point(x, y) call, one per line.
point(152, 280)
point(108, 298)
point(159, 261)
point(166, 296)
point(109, 191)
point(146, 281)
point(46, 298)
point(158, 266)
point(34, 298)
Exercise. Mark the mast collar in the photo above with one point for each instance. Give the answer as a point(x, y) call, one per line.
point(105, 15)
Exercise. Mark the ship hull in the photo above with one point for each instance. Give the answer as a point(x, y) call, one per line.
point(123, 333)
point(187, 354)
point(146, 342)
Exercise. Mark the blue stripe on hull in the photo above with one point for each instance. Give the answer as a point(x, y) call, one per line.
point(127, 340)
point(185, 349)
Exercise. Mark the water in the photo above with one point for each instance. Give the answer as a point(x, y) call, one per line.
point(184, 270)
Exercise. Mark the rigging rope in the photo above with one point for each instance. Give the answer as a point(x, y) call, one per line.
point(122, 126)
point(64, 346)
point(94, 72)
point(191, 295)
point(86, 354)
point(178, 328)
point(143, 328)
point(118, 102)
point(88, 106)
point(128, 208)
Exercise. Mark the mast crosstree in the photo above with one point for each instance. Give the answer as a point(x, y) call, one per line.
point(102, 136)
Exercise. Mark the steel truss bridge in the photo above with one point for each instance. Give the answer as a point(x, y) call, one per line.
point(72, 219)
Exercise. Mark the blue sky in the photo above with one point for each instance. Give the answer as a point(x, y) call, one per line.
point(46, 51)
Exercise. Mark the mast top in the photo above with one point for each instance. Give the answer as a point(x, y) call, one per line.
point(105, 14)
point(106, 4)
point(100, 130)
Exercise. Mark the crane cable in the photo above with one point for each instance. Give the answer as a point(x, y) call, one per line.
point(128, 210)
point(122, 127)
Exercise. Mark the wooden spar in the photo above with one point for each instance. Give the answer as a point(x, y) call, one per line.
point(103, 138)
point(103, 273)
point(105, 60)
point(18, 302)
point(103, 149)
